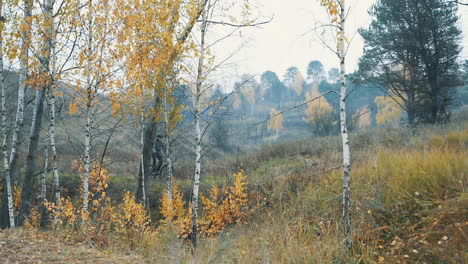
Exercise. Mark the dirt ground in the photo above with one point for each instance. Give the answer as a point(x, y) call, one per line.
point(31, 246)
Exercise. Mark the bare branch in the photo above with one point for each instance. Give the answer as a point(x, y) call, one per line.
point(238, 25)
point(458, 2)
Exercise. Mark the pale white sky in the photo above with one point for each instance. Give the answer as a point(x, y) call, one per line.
point(281, 43)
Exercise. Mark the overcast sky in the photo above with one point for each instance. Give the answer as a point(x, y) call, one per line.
point(282, 43)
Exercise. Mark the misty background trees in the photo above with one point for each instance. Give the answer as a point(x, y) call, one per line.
point(412, 50)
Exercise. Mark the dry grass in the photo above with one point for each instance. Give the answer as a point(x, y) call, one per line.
point(409, 204)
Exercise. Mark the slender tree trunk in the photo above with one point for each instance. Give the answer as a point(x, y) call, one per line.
point(435, 99)
point(168, 152)
point(54, 153)
point(89, 116)
point(141, 191)
point(24, 61)
point(196, 178)
point(46, 167)
point(32, 157)
point(31, 170)
point(6, 165)
point(24, 68)
point(410, 109)
point(145, 171)
point(150, 127)
point(344, 134)
point(87, 161)
point(51, 108)
point(44, 182)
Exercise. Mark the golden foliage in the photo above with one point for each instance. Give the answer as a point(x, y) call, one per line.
point(276, 121)
point(317, 108)
point(363, 117)
point(226, 207)
point(389, 112)
point(68, 214)
point(298, 83)
point(16, 191)
point(149, 42)
point(333, 8)
point(72, 108)
point(128, 221)
point(174, 213)
point(34, 219)
point(131, 220)
point(221, 208)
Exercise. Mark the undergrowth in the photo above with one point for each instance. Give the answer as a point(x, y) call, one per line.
point(408, 205)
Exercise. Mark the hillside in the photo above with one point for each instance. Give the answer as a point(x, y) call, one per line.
point(409, 205)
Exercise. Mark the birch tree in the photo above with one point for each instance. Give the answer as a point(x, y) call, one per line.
point(92, 77)
point(42, 83)
point(6, 163)
point(24, 42)
point(43, 181)
point(197, 130)
point(200, 90)
point(151, 41)
point(276, 122)
point(25, 29)
point(61, 39)
point(338, 13)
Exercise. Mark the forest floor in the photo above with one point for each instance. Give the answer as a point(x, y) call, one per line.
point(24, 246)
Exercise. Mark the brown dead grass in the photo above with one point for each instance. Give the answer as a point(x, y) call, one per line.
point(31, 246)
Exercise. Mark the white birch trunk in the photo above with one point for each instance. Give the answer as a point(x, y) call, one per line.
point(199, 84)
point(54, 152)
point(89, 117)
point(142, 142)
point(51, 107)
point(17, 137)
point(6, 162)
point(167, 150)
point(196, 178)
point(50, 43)
point(87, 161)
point(24, 68)
point(344, 132)
point(31, 165)
point(46, 167)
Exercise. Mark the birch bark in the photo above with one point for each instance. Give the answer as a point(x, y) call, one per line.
point(199, 84)
point(141, 180)
point(51, 109)
point(24, 68)
point(46, 167)
point(33, 154)
point(344, 132)
point(43, 193)
point(54, 152)
point(11, 215)
point(168, 152)
point(6, 165)
point(89, 114)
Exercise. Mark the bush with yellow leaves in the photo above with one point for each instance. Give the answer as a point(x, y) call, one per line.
point(174, 214)
point(131, 220)
point(224, 208)
point(126, 221)
point(221, 208)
